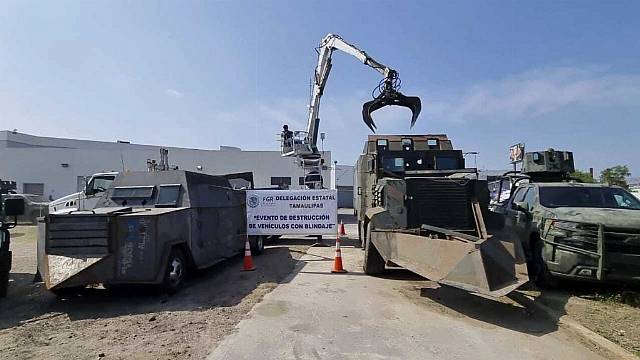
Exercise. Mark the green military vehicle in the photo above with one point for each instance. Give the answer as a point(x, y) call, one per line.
point(420, 208)
point(569, 229)
point(10, 209)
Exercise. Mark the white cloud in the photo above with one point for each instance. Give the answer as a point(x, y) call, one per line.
point(527, 95)
point(174, 93)
point(531, 95)
point(535, 93)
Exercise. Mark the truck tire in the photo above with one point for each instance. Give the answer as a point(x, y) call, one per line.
point(373, 261)
point(175, 272)
point(539, 272)
point(5, 268)
point(4, 283)
point(257, 244)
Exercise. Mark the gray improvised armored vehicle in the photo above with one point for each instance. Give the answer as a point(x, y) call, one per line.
point(572, 230)
point(419, 207)
point(147, 228)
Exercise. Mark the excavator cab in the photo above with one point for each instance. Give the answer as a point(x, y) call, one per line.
point(389, 95)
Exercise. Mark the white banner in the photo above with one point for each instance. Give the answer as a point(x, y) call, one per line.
point(291, 212)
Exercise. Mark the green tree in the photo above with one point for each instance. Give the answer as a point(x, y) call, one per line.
point(583, 176)
point(616, 175)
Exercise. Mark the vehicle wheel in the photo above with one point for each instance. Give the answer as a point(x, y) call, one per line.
point(4, 283)
point(373, 261)
point(257, 244)
point(176, 271)
point(538, 271)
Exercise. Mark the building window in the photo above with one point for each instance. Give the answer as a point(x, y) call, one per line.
point(281, 181)
point(33, 188)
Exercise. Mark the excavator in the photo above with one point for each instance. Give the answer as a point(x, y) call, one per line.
point(418, 205)
point(303, 144)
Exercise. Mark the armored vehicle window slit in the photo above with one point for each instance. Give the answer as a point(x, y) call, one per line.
point(168, 195)
point(393, 164)
point(382, 144)
point(407, 144)
point(447, 163)
point(132, 192)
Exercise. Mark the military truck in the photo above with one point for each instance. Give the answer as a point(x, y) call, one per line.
point(419, 207)
point(569, 229)
point(147, 228)
point(9, 208)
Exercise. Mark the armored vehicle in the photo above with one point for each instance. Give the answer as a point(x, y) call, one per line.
point(569, 229)
point(419, 207)
point(10, 209)
point(147, 228)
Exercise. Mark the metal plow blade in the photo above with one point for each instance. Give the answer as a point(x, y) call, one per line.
point(64, 271)
point(490, 267)
point(389, 98)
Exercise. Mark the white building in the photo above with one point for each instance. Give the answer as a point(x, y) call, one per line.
point(54, 167)
point(342, 177)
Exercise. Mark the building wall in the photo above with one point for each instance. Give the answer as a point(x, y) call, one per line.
point(33, 159)
point(342, 180)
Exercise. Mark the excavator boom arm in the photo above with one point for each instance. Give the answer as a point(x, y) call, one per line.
point(389, 94)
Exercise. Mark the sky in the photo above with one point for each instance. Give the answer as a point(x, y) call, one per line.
point(201, 74)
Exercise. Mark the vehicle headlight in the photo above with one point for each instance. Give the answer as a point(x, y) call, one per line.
point(580, 235)
point(557, 228)
point(566, 225)
point(582, 242)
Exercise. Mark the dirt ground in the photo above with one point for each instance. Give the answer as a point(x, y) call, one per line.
point(610, 311)
point(133, 322)
point(140, 323)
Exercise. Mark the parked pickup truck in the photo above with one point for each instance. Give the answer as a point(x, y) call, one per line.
point(577, 231)
point(569, 229)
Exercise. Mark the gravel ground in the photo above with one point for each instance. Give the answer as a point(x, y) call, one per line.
point(134, 322)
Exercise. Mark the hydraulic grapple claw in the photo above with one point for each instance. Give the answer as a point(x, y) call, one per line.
point(388, 98)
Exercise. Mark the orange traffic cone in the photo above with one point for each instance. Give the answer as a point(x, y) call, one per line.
point(248, 260)
point(341, 231)
point(337, 262)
